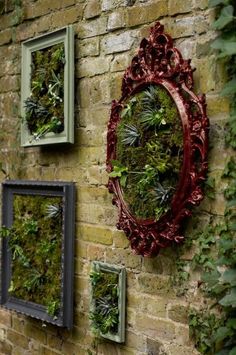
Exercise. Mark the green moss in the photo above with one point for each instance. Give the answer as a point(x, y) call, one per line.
point(150, 146)
point(105, 315)
point(45, 107)
point(35, 244)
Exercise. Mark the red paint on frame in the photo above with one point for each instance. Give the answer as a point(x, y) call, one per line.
point(159, 63)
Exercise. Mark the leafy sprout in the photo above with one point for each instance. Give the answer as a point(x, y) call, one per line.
point(160, 193)
point(130, 135)
point(53, 211)
point(34, 108)
point(150, 117)
point(150, 98)
point(120, 171)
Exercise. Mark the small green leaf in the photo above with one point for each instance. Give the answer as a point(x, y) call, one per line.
point(213, 3)
point(222, 333)
point(231, 323)
point(226, 16)
point(233, 351)
point(229, 276)
point(123, 180)
point(230, 299)
point(230, 87)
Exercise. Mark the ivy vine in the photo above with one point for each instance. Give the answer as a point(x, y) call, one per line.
point(216, 333)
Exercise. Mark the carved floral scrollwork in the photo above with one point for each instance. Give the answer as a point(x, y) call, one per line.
point(158, 62)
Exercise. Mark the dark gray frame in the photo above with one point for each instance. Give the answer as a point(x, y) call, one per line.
point(66, 190)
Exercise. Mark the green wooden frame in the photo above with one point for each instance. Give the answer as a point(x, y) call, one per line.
point(64, 35)
point(119, 337)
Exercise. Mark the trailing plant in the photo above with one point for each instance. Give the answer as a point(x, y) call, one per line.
point(44, 108)
point(105, 312)
point(220, 281)
point(149, 152)
point(35, 244)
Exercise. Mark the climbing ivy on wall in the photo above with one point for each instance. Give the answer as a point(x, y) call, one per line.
point(216, 334)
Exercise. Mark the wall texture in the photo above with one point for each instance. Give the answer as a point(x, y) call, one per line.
point(107, 34)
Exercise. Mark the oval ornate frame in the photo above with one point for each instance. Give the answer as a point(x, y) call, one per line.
point(159, 62)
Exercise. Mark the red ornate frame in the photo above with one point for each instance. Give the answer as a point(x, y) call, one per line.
point(158, 62)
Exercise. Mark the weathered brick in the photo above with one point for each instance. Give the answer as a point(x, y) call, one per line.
point(18, 324)
point(92, 9)
point(36, 333)
point(155, 327)
point(201, 4)
point(6, 21)
point(9, 83)
point(203, 45)
point(154, 347)
point(116, 20)
point(96, 252)
point(5, 348)
point(17, 339)
point(187, 47)
point(180, 350)
point(5, 318)
point(178, 7)
point(120, 240)
point(97, 115)
point(111, 4)
point(47, 351)
point(153, 265)
point(93, 66)
point(80, 249)
point(123, 257)
point(182, 27)
point(90, 136)
point(43, 7)
point(178, 313)
point(67, 17)
point(120, 62)
point(201, 24)
point(217, 105)
point(88, 213)
point(153, 284)
point(183, 336)
point(95, 234)
point(155, 306)
point(2, 333)
point(92, 91)
point(137, 15)
point(88, 47)
point(117, 43)
point(115, 86)
point(5, 36)
point(92, 28)
point(205, 75)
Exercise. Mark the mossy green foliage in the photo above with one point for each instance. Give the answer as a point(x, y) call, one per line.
point(219, 337)
point(149, 152)
point(105, 313)
point(45, 105)
point(35, 242)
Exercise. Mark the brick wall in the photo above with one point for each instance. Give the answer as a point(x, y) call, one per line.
point(107, 34)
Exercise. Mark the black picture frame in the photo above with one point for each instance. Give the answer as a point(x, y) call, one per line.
point(65, 190)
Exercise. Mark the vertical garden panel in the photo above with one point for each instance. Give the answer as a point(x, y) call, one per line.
point(37, 249)
point(47, 89)
point(107, 311)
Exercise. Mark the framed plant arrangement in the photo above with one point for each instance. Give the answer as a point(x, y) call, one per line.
point(107, 311)
point(47, 89)
point(37, 249)
point(157, 145)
